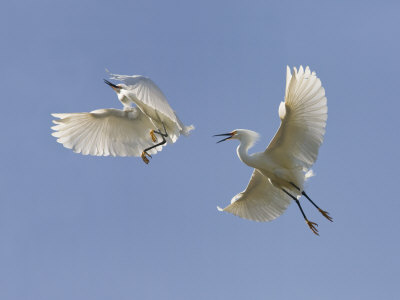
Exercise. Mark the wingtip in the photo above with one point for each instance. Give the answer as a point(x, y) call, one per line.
point(58, 115)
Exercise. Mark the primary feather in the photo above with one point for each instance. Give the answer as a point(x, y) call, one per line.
point(303, 120)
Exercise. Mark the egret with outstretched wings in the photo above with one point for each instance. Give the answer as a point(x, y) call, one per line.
point(131, 131)
point(281, 170)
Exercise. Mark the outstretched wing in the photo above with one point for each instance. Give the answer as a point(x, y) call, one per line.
point(105, 132)
point(303, 119)
point(261, 201)
point(148, 93)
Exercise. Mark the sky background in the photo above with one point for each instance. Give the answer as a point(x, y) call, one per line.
point(80, 227)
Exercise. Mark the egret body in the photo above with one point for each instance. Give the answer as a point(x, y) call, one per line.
point(281, 170)
point(132, 131)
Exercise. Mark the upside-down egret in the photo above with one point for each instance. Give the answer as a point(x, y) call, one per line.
point(281, 170)
point(128, 132)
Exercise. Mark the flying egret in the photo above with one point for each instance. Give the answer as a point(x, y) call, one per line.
point(128, 132)
point(281, 170)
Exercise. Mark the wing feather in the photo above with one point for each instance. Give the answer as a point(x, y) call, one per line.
point(303, 121)
point(147, 92)
point(105, 132)
point(149, 97)
point(260, 201)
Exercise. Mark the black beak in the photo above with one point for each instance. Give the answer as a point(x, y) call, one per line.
point(116, 88)
point(230, 135)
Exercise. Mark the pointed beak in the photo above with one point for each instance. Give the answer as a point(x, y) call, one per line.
point(230, 135)
point(114, 87)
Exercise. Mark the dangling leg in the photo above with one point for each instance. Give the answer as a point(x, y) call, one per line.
point(154, 138)
point(323, 212)
point(309, 223)
point(144, 153)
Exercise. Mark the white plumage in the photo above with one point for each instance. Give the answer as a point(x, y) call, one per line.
point(280, 171)
point(128, 132)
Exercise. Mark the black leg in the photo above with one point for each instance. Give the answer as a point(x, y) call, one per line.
point(312, 225)
point(163, 136)
point(308, 198)
point(295, 185)
point(156, 145)
point(165, 133)
point(323, 212)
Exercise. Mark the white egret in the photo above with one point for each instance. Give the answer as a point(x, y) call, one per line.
point(128, 132)
point(281, 170)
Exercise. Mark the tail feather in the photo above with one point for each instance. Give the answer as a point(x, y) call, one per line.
point(187, 129)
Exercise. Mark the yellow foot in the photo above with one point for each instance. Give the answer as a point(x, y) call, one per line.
point(325, 214)
point(153, 136)
point(145, 159)
point(312, 226)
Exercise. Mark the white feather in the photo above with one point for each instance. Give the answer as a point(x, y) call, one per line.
point(301, 133)
point(260, 201)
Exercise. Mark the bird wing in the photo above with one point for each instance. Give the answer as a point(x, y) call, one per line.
point(105, 132)
point(260, 201)
point(303, 119)
point(145, 91)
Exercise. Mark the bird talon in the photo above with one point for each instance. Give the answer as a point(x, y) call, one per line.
point(153, 136)
point(312, 226)
point(325, 214)
point(145, 159)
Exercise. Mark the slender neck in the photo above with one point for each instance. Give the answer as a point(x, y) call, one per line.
point(242, 150)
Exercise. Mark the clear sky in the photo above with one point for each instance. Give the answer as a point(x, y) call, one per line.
point(80, 227)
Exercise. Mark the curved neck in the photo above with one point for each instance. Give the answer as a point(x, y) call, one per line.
point(242, 152)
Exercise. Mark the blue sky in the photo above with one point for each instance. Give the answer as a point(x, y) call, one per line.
point(79, 227)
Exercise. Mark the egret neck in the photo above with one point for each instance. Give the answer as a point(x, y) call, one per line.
point(246, 142)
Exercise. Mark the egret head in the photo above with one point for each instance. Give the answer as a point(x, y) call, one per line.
point(230, 135)
point(241, 135)
point(115, 87)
